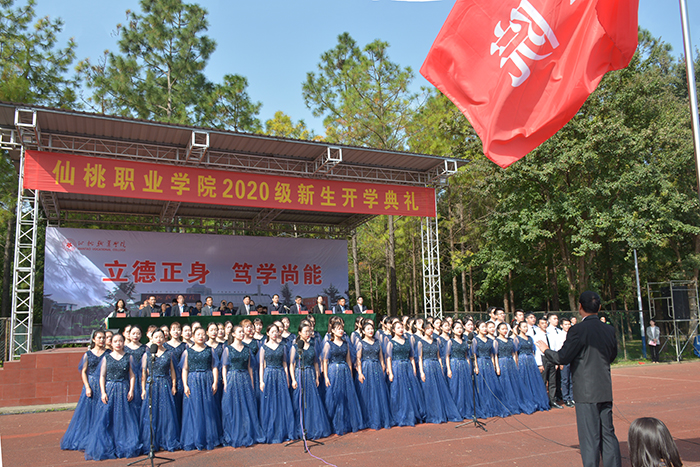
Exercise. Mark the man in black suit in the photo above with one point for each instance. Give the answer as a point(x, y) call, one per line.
point(150, 307)
point(298, 307)
point(180, 307)
point(246, 307)
point(340, 307)
point(359, 308)
point(590, 347)
point(276, 305)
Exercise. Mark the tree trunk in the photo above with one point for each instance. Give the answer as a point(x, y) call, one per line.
point(554, 284)
point(505, 303)
point(471, 290)
point(548, 298)
point(696, 242)
point(371, 287)
point(414, 272)
point(512, 295)
point(391, 299)
point(355, 266)
point(566, 262)
point(455, 293)
point(7, 268)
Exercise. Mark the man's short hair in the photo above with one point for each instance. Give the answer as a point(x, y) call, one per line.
point(151, 296)
point(246, 296)
point(549, 315)
point(542, 318)
point(275, 295)
point(198, 301)
point(565, 320)
point(341, 298)
point(528, 314)
point(209, 298)
point(590, 301)
point(360, 297)
point(298, 296)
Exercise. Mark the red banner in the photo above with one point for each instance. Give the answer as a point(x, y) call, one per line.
point(67, 173)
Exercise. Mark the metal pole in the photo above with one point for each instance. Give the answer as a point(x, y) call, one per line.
point(639, 301)
point(692, 94)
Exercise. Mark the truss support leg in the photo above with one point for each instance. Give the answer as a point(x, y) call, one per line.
point(432, 288)
point(23, 276)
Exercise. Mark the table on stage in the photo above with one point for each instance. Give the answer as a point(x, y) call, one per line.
point(321, 321)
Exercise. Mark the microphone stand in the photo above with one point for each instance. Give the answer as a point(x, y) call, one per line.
point(474, 421)
point(302, 406)
point(151, 454)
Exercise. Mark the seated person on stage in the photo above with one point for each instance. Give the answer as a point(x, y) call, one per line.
point(319, 307)
point(340, 307)
point(360, 307)
point(298, 307)
point(197, 308)
point(229, 309)
point(149, 306)
point(164, 309)
point(222, 307)
point(264, 310)
point(276, 305)
point(259, 309)
point(179, 307)
point(246, 307)
point(208, 307)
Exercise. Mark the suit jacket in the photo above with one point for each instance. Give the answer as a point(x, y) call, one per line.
point(146, 311)
point(294, 309)
point(317, 310)
point(242, 309)
point(359, 309)
point(278, 308)
point(177, 309)
point(337, 309)
point(208, 310)
point(590, 348)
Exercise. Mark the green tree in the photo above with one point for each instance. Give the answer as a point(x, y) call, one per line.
point(283, 126)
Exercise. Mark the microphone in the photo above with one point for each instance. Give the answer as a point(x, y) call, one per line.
point(470, 336)
point(154, 350)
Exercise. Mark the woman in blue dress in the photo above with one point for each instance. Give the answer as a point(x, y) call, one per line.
point(508, 376)
point(405, 393)
point(341, 399)
point(253, 345)
point(459, 371)
point(201, 417)
point(304, 372)
point(276, 413)
point(116, 416)
point(529, 376)
point(488, 390)
point(372, 390)
point(81, 423)
point(239, 406)
point(439, 405)
point(218, 349)
point(135, 349)
point(166, 424)
point(177, 348)
point(442, 340)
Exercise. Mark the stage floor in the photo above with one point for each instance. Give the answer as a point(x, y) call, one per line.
point(545, 439)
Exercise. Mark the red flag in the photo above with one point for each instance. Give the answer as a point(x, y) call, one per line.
point(520, 69)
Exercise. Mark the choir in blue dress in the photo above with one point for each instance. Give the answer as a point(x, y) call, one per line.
point(81, 423)
point(117, 414)
point(398, 381)
point(201, 417)
point(166, 425)
point(241, 425)
point(275, 401)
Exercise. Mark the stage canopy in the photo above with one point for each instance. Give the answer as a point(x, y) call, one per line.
point(89, 170)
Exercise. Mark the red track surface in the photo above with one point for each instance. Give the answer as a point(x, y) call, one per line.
point(666, 391)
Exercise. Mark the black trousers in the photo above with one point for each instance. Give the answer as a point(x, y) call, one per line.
point(551, 378)
point(654, 351)
point(596, 434)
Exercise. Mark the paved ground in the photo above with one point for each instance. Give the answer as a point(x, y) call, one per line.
point(666, 391)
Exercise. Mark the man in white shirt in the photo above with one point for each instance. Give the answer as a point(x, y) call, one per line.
point(531, 321)
point(551, 373)
point(566, 382)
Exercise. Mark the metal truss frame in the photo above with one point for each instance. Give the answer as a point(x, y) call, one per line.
point(680, 331)
point(430, 249)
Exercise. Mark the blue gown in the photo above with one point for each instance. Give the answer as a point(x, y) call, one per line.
point(341, 399)
point(315, 418)
point(239, 405)
point(219, 351)
point(177, 357)
point(373, 393)
point(442, 344)
point(508, 379)
point(488, 390)
point(201, 417)
point(115, 432)
point(81, 423)
point(530, 378)
point(276, 414)
point(461, 381)
point(166, 424)
point(439, 405)
point(253, 348)
point(137, 356)
point(405, 393)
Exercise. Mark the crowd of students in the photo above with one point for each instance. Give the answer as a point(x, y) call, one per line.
point(234, 385)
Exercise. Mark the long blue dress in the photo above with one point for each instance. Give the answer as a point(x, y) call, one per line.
point(530, 378)
point(254, 347)
point(219, 351)
point(488, 390)
point(439, 405)
point(276, 414)
point(442, 345)
point(405, 392)
point(166, 424)
point(201, 417)
point(315, 418)
point(115, 432)
point(461, 381)
point(137, 355)
point(239, 405)
point(373, 393)
point(81, 423)
point(177, 358)
point(341, 399)
point(508, 379)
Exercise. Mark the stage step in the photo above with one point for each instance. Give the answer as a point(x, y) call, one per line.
point(46, 377)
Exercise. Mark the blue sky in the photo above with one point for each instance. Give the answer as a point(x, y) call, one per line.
point(274, 43)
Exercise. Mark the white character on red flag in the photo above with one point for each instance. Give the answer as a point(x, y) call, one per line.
point(519, 70)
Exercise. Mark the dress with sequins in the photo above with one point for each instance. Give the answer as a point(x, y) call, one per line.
point(488, 390)
point(166, 424)
point(276, 413)
point(508, 379)
point(310, 411)
point(137, 356)
point(201, 417)
point(439, 405)
point(529, 376)
point(406, 398)
point(373, 392)
point(118, 435)
point(341, 399)
point(461, 381)
point(176, 353)
point(239, 405)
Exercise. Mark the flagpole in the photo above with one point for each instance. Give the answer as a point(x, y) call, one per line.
point(690, 73)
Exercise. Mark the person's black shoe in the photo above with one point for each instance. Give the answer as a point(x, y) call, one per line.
point(570, 403)
point(554, 405)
